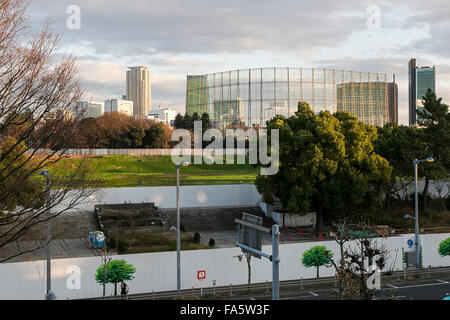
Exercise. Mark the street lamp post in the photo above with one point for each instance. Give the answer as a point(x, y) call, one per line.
point(416, 206)
point(182, 164)
point(50, 295)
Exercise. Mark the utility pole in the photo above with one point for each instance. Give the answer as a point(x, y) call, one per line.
point(249, 246)
point(416, 206)
point(182, 164)
point(49, 294)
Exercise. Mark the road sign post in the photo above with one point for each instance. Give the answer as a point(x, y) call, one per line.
point(275, 262)
point(249, 240)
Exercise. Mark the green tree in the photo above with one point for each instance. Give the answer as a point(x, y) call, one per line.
point(135, 136)
point(327, 165)
point(157, 136)
point(206, 122)
point(179, 122)
point(434, 119)
point(444, 247)
point(116, 271)
point(188, 122)
point(400, 145)
point(316, 257)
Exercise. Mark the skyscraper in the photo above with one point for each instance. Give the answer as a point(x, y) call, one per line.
point(139, 90)
point(420, 80)
point(393, 101)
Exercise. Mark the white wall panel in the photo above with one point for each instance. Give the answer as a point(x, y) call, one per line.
point(157, 271)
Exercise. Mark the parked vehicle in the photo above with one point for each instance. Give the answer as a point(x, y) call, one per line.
point(97, 239)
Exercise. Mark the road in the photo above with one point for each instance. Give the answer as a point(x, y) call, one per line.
point(420, 284)
point(418, 290)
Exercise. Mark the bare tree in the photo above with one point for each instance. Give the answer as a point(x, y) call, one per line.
point(248, 258)
point(38, 110)
point(441, 185)
point(340, 237)
point(356, 264)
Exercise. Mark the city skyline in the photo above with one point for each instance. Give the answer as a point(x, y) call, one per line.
point(174, 43)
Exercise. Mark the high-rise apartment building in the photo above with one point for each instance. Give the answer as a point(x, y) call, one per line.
point(420, 80)
point(139, 90)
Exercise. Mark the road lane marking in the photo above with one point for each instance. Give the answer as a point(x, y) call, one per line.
point(442, 281)
point(312, 294)
point(419, 285)
point(390, 285)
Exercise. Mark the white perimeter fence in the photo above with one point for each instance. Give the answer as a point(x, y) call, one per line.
point(74, 278)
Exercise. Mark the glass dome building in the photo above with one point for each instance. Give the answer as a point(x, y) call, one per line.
point(250, 97)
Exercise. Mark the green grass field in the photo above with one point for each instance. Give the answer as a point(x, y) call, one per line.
point(137, 171)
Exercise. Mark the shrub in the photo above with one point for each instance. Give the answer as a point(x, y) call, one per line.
point(444, 247)
point(420, 198)
point(212, 242)
point(112, 243)
point(429, 213)
point(173, 247)
point(121, 246)
point(196, 238)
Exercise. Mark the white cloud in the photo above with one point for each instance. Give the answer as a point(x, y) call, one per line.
point(102, 72)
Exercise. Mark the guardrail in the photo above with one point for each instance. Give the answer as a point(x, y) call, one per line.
point(265, 287)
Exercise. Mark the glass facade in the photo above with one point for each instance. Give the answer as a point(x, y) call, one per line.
point(365, 100)
point(250, 97)
point(425, 79)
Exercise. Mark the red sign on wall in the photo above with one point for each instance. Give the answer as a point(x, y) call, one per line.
point(201, 275)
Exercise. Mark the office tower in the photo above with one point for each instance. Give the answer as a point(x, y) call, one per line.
point(420, 80)
point(118, 105)
point(393, 101)
point(139, 90)
point(165, 115)
point(92, 109)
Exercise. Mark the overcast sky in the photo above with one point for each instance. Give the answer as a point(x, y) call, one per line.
point(175, 38)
